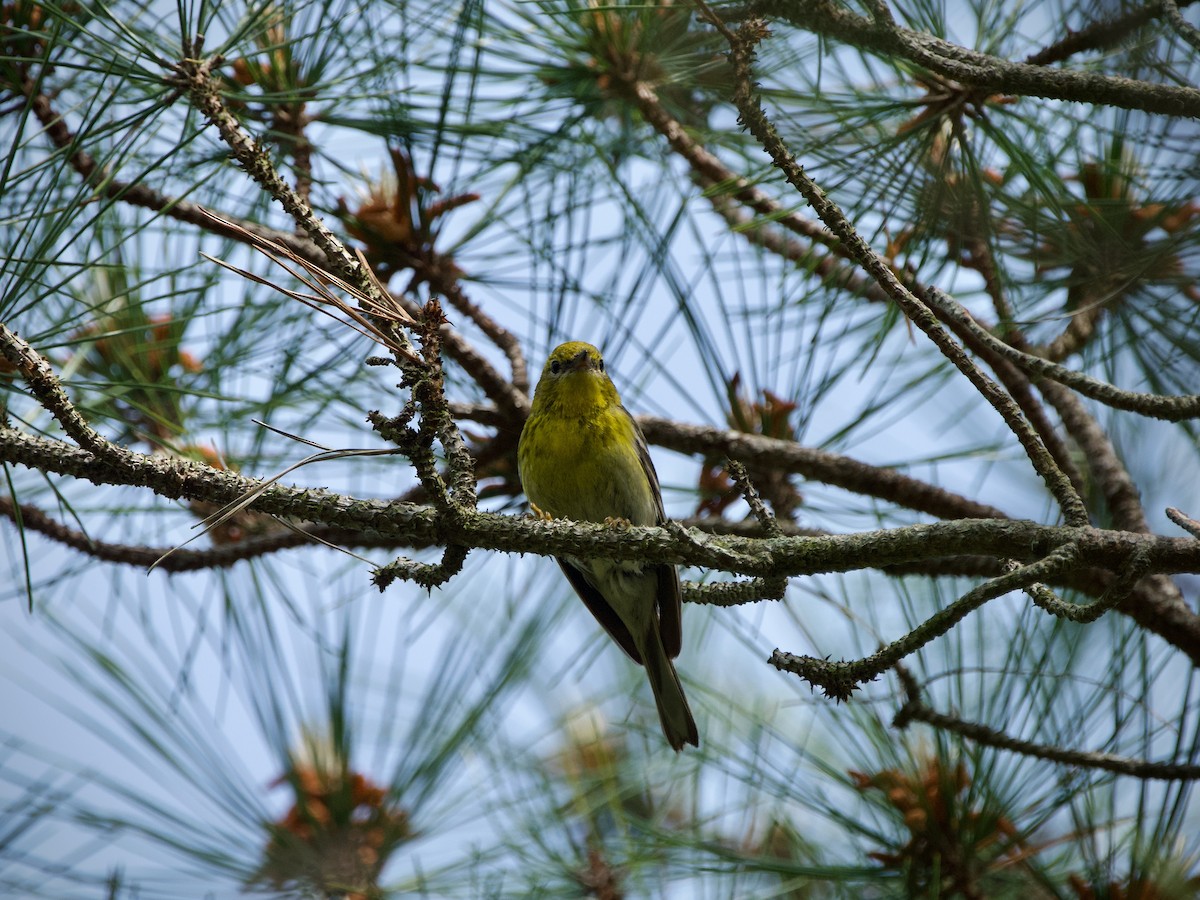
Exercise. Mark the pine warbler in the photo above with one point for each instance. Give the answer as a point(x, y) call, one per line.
point(583, 457)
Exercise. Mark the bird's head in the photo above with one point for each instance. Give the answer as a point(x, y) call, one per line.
point(574, 377)
point(572, 357)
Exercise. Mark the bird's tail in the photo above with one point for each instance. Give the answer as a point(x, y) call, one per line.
point(677, 722)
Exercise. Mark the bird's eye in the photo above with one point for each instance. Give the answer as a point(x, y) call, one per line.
point(554, 367)
point(601, 365)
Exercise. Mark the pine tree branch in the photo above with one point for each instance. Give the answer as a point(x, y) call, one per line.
point(974, 69)
point(1174, 408)
point(1183, 28)
point(1092, 582)
point(759, 451)
point(142, 195)
point(421, 526)
point(500, 390)
point(50, 394)
point(840, 679)
point(193, 76)
point(222, 556)
point(752, 115)
point(725, 190)
point(981, 258)
point(1191, 526)
point(723, 183)
point(1100, 35)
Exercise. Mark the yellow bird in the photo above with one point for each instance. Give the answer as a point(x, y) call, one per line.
point(583, 457)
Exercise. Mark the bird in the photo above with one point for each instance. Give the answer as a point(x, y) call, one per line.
point(582, 456)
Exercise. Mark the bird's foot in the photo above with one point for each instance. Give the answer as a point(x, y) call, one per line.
point(539, 513)
point(617, 522)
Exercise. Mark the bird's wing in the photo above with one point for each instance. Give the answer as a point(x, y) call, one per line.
point(670, 610)
point(643, 454)
point(600, 608)
point(669, 599)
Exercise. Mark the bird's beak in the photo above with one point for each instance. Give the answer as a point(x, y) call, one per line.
point(580, 362)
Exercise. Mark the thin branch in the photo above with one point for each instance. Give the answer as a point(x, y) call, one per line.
point(1120, 493)
point(719, 179)
point(840, 679)
point(499, 389)
point(142, 195)
point(50, 394)
point(881, 14)
point(1175, 408)
point(1183, 28)
point(222, 556)
point(1191, 526)
point(427, 575)
point(980, 70)
point(1080, 327)
point(1084, 614)
point(193, 77)
point(915, 710)
point(981, 258)
point(1099, 35)
point(759, 451)
point(734, 593)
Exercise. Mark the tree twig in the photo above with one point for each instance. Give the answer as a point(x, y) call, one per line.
point(1183, 28)
point(915, 710)
point(1099, 35)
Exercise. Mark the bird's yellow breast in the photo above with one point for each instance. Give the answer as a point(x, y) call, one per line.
point(578, 455)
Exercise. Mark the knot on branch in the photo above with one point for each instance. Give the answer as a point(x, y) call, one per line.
point(837, 680)
point(192, 76)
